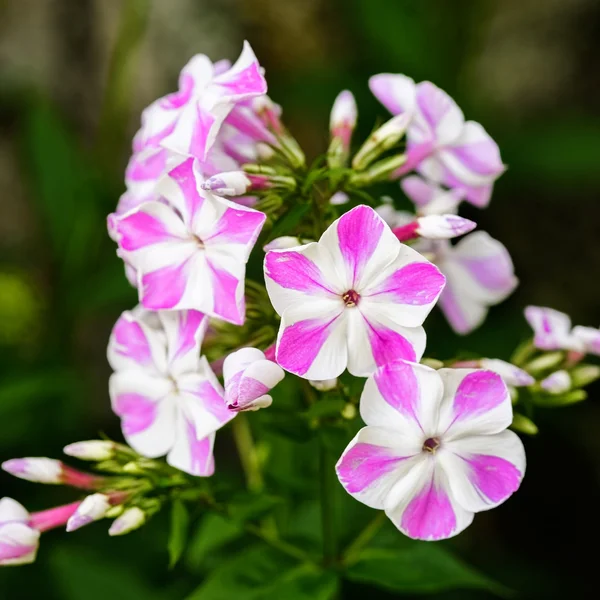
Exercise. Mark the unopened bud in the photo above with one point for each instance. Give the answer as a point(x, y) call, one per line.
point(584, 375)
point(131, 519)
point(230, 183)
point(269, 113)
point(341, 125)
point(114, 511)
point(38, 470)
point(554, 400)
point(380, 171)
point(434, 227)
point(432, 363)
point(93, 508)
point(512, 376)
point(349, 411)
point(545, 362)
point(557, 383)
point(268, 182)
point(381, 140)
point(95, 450)
point(324, 385)
point(523, 424)
point(339, 198)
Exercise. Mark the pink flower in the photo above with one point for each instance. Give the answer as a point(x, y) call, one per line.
point(249, 377)
point(435, 450)
point(429, 198)
point(434, 227)
point(190, 253)
point(553, 331)
point(558, 382)
point(356, 298)
point(19, 541)
point(188, 120)
point(92, 508)
point(479, 274)
point(169, 400)
point(441, 145)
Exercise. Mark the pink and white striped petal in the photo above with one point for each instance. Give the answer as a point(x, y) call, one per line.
point(18, 543)
point(190, 453)
point(589, 337)
point(552, 329)
point(135, 344)
point(437, 116)
point(184, 332)
point(12, 511)
point(423, 507)
point(398, 93)
point(147, 410)
point(485, 470)
point(373, 463)
point(475, 402)
point(404, 396)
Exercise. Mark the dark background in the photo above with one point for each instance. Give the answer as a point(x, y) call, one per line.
point(74, 76)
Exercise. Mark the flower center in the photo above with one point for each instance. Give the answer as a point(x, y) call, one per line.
point(198, 241)
point(351, 298)
point(431, 445)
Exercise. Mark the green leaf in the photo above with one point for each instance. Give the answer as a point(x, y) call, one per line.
point(246, 506)
point(325, 407)
point(423, 568)
point(213, 533)
point(79, 573)
point(180, 524)
point(286, 225)
point(262, 573)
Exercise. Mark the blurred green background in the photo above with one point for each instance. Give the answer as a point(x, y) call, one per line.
point(74, 76)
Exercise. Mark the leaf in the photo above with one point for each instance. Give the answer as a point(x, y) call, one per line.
point(79, 573)
point(213, 533)
point(180, 523)
point(262, 573)
point(325, 407)
point(286, 225)
point(246, 506)
point(423, 568)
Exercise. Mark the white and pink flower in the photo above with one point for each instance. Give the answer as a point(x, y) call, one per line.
point(190, 253)
point(553, 331)
point(19, 541)
point(249, 376)
point(356, 298)
point(169, 400)
point(441, 145)
point(50, 471)
point(436, 449)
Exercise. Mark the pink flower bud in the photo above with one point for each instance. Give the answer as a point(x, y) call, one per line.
point(557, 383)
point(339, 198)
point(93, 508)
point(249, 376)
point(95, 450)
point(231, 183)
point(443, 227)
point(343, 118)
point(50, 471)
point(511, 375)
point(131, 519)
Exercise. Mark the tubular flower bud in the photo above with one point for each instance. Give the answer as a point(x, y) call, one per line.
point(557, 383)
point(435, 227)
point(93, 508)
point(19, 541)
point(341, 125)
point(131, 519)
point(94, 450)
point(232, 183)
point(381, 140)
point(49, 471)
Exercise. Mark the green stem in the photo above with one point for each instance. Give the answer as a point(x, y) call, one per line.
point(327, 506)
point(279, 544)
point(242, 436)
point(362, 539)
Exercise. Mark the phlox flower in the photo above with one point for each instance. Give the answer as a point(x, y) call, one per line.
point(188, 120)
point(429, 198)
point(190, 253)
point(441, 145)
point(249, 377)
point(50, 471)
point(356, 298)
point(19, 541)
point(169, 400)
point(92, 508)
point(435, 450)
point(553, 331)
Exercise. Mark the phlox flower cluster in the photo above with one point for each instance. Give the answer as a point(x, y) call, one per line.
point(348, 286)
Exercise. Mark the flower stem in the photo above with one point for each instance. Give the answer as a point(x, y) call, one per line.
point(242, 436)
point(327, 506)
point(362, 539)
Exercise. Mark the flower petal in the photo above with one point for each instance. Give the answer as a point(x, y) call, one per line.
point(404, 396)
point(476, 402)
point(12, 511)
point(552, 329)
point(422, 506)
point(191, 454)
point(373, 462)
point(312, 340)
point(439, 115)
point(245, 78)
point(18, 544)
point(484, 471)
point(396, 92)
point(184, 332)
point(146, 409)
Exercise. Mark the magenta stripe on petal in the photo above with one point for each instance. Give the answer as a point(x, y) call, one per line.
point(494, 272)
point(225, 303)
point(495, 477)
point(148, 167)
point(247, 81)
point(429, 515)
point(453, 311)
point(131, 341)
point(137, 412)
point(213, 401)
point(202, 126)
point(251, 389)
point(388, 345)
point(184, 175)
point(364, 464)
point(201, 456)
point(13, 551)
point(182, 96)
point(398, 385)
point(139, 230)
point(359, 232)
point(301, 342)
point(479, 392)
point(237, 227)
point(189, 322)
point(295, 271)
point(415, 284)
point(164, 288)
